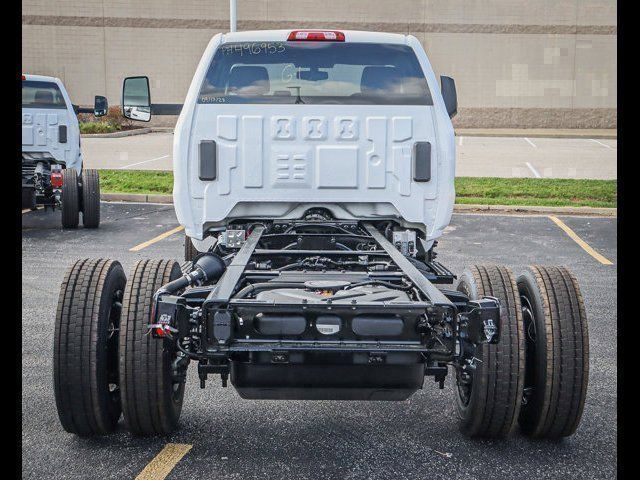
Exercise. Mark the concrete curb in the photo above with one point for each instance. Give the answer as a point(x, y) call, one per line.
point(136, 198)
point(124, 133)
point(458, 208)
point(611, 134)
point(535, 210)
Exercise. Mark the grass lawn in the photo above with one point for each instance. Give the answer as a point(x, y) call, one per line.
point(469, 190)
point(537, 191)
point(136, 181)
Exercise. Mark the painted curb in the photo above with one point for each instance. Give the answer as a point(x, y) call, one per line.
point(535, 210)
point(458, 208)
point(136, 198)
point(124, 133)
point(471, 132)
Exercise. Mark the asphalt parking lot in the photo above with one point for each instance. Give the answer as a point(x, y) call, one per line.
point(476, 156)
point(235, 438)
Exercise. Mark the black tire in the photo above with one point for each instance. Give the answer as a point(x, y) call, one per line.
point(85, 352)
point(70, 200)
point(489, 406)
point(557, 367)
point(90, 198)
point(190, 251)
point(150, 403)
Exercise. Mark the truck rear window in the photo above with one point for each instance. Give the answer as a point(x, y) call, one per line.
point(315, 73)
point(38, 94)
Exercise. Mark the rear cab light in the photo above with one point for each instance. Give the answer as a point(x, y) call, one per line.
point(316, 36)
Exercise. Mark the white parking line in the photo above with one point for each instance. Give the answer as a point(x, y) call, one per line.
point(600, 143)
point(533, 170)
point(140, 163)
point(530, 143)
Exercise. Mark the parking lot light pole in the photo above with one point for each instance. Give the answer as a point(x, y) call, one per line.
point(232, 15)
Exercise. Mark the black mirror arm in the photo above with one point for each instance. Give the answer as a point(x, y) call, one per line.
point(79, 109)
point(166, 108)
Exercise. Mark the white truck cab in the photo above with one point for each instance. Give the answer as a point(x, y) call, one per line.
point(278, 122)
point(49, 122)
point(51, 149)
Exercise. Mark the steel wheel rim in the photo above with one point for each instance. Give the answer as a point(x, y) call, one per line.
point(528, 318)
point(113, 329)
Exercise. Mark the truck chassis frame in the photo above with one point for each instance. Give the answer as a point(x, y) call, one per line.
point(320, 309)
point(215, 324)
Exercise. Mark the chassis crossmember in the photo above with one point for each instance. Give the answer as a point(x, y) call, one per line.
point(320, 310)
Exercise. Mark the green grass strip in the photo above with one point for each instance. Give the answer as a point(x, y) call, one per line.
point(136, 181)
point(536, 191)
point(469, 190)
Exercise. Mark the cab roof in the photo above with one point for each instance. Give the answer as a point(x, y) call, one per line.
point(41, 78)
point(282, 36)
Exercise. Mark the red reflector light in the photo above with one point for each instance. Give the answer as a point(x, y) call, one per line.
point(56, 179)
point(23, 77)
point(316, 36)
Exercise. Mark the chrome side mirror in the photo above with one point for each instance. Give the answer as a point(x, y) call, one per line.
point(136, 99)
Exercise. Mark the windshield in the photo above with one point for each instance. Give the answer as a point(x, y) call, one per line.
point(315, 73)
point(38, 94)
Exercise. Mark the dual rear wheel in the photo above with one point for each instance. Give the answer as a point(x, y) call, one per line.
point(537, 374)
point(105, 363)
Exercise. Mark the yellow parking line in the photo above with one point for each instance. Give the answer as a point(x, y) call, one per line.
point(163, 463)
point(585, 246)
point(162, 236)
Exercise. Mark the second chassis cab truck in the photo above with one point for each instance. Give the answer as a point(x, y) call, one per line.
point(319, 166)
point(52, 171)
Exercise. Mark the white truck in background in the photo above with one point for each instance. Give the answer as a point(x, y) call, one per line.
point(52, 172)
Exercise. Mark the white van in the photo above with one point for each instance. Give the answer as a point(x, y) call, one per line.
point(52, 173)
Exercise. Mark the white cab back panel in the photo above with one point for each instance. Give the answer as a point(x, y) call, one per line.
point(359, 156)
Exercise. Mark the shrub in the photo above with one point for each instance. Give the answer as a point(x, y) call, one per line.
point(113, 118)
point(98, 127)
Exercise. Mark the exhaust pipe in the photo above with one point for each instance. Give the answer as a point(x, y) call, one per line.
point(208, 267)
